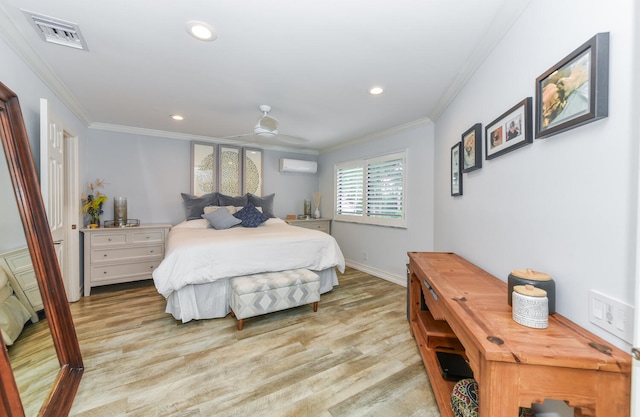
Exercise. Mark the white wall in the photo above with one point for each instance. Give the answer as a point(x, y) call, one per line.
point(152, 171)
point(387, 247)
point(563, 205)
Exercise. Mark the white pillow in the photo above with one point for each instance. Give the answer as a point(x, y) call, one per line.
point(211, 209)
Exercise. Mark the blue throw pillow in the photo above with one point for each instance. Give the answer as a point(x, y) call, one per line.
point(250, 216)
point(266, 203)
point(194, 205)
point(221, 219)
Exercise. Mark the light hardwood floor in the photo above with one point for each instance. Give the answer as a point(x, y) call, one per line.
point(354, 357)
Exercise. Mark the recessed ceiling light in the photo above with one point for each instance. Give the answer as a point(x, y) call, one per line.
point(376, 90)
point(177, 117)
point(202, 31)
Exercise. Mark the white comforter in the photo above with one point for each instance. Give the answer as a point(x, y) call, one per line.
point(196, 254)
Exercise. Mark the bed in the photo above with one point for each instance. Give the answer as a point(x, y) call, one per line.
point(200, 260)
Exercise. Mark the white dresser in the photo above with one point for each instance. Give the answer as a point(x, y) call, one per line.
point(17, 264)
point(324, 225)
point(116, 255)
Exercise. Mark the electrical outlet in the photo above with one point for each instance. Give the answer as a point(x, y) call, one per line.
point(612, 315)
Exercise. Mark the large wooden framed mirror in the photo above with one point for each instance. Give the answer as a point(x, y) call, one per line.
point(40, 243)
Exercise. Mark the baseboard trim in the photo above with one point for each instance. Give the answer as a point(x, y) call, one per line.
point(378, 273)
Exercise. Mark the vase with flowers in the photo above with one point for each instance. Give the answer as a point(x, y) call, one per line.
point(92, 203)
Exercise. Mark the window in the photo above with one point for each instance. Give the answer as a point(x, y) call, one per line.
point(372, 190)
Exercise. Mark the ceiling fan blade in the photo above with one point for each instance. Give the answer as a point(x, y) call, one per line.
point(244, 135)
point(294, 140)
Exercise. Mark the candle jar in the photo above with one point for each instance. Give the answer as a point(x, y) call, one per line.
point(307, 208)
point(120, 211)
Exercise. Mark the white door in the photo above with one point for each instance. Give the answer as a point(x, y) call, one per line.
point(635, 370)
point(57, 175)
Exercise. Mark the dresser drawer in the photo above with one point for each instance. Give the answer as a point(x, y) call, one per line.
point(34, 297)
point(27, 280)
point(148, 236)
point(19, 261)
point(113, 273)
point(109, 239)
point(124, 253)
point(322, 226)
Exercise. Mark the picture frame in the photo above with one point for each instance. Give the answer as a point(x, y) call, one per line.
point(252, 174)
point(204, 172)
point(456, 169)
point(511, 131)
point(575, 91)
point(472, 148)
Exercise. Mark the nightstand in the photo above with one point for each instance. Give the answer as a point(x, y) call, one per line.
point(122, 254)
point(323, 225)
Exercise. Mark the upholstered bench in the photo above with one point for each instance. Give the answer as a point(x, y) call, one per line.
point(253, 295)
point(464, 400)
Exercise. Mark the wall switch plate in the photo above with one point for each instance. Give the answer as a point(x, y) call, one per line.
point(612, 315)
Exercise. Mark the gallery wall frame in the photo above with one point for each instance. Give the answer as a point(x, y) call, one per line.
point(231, 170)
point(204, 172)
point(510, 131)
point(252, 174)
point(472, 148)
point(575, 91)
point(456, 169)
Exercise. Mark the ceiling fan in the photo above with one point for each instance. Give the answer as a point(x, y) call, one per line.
point(267, 128)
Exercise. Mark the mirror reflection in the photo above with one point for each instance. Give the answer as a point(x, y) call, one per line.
point(25, 329)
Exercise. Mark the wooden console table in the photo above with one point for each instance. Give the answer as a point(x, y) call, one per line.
point(456, 306)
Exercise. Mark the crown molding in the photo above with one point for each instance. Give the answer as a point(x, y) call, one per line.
point(13, 36)
point(376, 135)
point(503, 22)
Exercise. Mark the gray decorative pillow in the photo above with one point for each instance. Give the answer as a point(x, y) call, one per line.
point(221, 219)
point(227, 200)
point(250, 216)
point(266, 203)
point(194, 205)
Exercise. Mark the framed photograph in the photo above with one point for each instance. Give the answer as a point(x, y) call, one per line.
point(510, 131)
point(472, 148)
point(456, 169)
point(575, 91)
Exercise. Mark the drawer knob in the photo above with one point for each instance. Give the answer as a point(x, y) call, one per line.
point(105, 272)
point(105, 255)
point(151, 251)
point(109, 239)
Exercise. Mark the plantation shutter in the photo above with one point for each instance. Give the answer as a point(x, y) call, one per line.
point(385, 187)
point(349, 190)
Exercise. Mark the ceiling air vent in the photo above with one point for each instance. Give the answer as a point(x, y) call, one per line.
point(56, 31)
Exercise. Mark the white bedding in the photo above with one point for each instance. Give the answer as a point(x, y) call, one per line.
point(197, 254)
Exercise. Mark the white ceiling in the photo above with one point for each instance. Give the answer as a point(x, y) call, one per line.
point(312, 61)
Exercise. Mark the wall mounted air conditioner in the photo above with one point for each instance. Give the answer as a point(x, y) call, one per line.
point(297, 165)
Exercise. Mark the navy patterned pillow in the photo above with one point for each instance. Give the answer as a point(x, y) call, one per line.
point(250, 216)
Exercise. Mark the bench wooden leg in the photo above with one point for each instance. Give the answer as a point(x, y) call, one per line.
point(315, 307)
point(240, 324)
